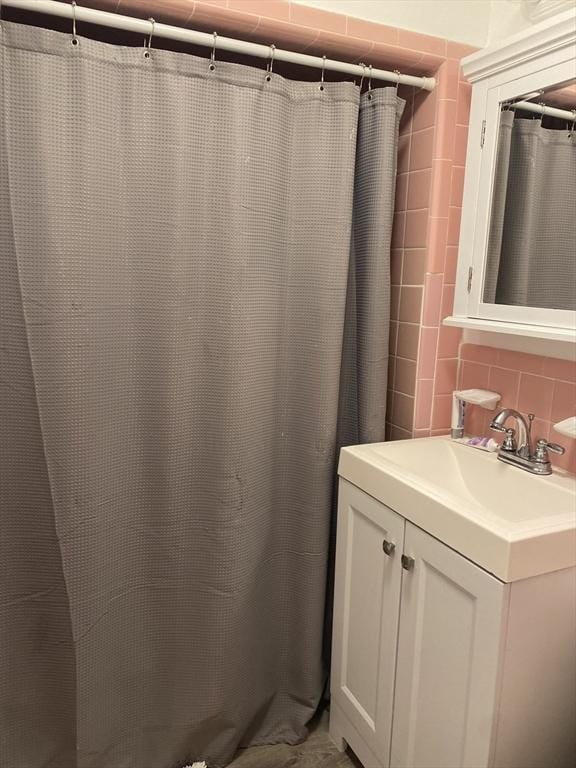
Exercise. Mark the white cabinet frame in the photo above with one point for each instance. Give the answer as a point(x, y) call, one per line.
point(537, 58)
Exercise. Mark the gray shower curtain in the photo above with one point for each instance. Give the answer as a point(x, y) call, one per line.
point(531, 258)
point(175, 273)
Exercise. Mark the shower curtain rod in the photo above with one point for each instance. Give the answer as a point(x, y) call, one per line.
point(544, 109)
point(144, 27)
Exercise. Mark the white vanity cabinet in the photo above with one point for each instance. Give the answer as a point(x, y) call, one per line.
point(436, 662)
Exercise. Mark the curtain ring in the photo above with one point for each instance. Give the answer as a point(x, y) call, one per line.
point(270, 63)
point(397, 73)
point(74, 40)
point(370, 82)
point(148, 43)
point(363, 73)
point(212, 65)
point(322, 75)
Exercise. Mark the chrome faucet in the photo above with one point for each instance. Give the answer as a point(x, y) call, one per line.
point(518, 451)
point(523, 446)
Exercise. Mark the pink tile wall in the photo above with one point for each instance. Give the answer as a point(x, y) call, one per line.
point(447, 113)
point(544, 386)
point(432, 151)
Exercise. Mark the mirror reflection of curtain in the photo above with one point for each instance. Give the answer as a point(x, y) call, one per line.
point(532, 245)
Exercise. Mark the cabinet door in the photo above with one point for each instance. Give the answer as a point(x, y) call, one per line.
point(367, 596)
point(449, 637)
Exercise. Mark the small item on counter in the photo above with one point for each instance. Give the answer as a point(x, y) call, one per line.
point(484, 443)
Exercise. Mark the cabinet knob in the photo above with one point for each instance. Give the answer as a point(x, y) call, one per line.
point(388, 547)
point(407, 562)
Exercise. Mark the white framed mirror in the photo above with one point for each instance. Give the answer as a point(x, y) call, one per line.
point(517, 251)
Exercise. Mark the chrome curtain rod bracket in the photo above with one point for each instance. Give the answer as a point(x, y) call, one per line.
point(257, 50)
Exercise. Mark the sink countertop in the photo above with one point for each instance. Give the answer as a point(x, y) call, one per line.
point(513, 524)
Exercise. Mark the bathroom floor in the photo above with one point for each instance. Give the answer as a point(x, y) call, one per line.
point(316, 752)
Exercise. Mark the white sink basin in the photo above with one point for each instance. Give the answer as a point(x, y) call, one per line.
point(510, 522)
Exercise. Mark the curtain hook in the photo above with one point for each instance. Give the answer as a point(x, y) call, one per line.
point(322, 74)
point(363, 73)
point(212, 65)
point(270, 63)
point(370, 82)
point(148, 43)
point(74, 40)
point(571, 134)
point(543, 113)
point(397, 73)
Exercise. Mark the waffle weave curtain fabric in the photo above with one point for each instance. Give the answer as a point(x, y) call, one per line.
point(532, 244)
point(175, 276)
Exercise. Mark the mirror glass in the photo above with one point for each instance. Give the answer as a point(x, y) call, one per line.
point(531, 259)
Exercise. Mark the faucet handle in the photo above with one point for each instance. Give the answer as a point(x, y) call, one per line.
point(542, 448)
point(509, 443)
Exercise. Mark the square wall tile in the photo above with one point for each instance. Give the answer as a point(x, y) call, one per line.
point(404, 153)
point(449, 341)
point(421, 150)
point(405, 376)
point(396, 258)
point(407, 340)
point(473, 375)
point(559, 369)
point(414, 266)
point(535, 395)
point(416, 229)
point(480, 354)
point(446, 376)
point(419, 189)
point(441, 412)
point(424, 110)
point(519, 361)
point(507, 384)
point(402, 411)
point(398, 229)
point(410, 304)
point(401, 192)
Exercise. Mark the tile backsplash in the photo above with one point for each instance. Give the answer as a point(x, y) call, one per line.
point(544, 386)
